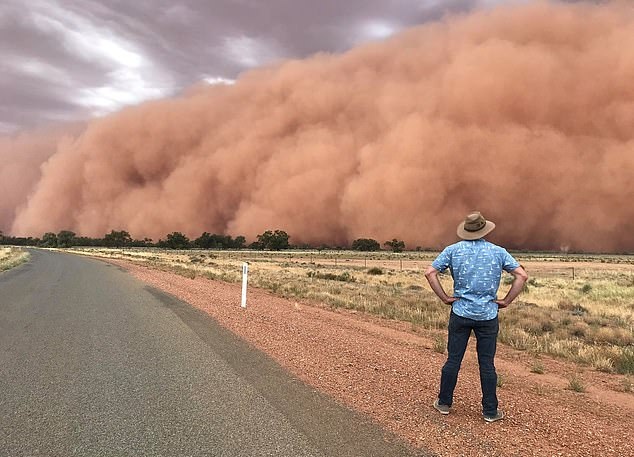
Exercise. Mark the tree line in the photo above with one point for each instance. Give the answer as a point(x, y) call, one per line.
point(270, 240)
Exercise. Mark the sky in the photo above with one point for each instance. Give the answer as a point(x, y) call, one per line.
point(69, 60)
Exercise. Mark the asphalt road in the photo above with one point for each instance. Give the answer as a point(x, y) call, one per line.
point(95, 363)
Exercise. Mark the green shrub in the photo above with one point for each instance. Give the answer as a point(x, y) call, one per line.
point(375, 271)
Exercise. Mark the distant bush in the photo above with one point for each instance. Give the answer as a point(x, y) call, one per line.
point(375, 271)
point(273, 240)
point(176, 240)
point(365, 244)
point(575, 308)
point(586, 288)
point(395, 245)
point(343, 277)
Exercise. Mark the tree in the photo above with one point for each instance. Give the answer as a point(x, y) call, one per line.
point(203, 241)
point(211, 241)
point(395, 245)
point(274, 241)
point(176, 240)
point(239, 242)
point(117, 239)
point(65, 239)
point(144, 243)
point(49, 240)
point(365, 244)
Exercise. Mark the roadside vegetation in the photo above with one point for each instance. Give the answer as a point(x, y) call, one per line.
point(575, 306)
point(588, 319)
point(12, 257)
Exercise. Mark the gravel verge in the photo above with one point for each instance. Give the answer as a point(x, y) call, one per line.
point(385, 370)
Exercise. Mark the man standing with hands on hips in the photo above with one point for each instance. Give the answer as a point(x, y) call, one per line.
point(476, 267)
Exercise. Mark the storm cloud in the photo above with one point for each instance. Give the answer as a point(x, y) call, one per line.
point(523, 112)
point(66, 60)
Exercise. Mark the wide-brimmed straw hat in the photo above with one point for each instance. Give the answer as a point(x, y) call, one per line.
point(474, 227)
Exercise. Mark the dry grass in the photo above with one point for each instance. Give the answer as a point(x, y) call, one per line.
point(588, 319)
point(538, 367)
point(576, 384)
point(440, 344)
point(12, 257)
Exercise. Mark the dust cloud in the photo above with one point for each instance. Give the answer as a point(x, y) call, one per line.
point(525, 113)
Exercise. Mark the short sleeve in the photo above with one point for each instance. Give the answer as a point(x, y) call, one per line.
point(443, 260)
point(508, 261)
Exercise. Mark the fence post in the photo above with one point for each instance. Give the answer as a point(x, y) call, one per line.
point(245, 274)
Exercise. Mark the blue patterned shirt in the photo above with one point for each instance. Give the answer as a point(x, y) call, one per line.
point(476, 267)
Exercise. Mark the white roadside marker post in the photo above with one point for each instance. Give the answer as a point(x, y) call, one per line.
point(245, 275)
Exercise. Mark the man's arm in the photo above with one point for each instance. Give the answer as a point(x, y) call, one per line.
point(432, 277)
point(518, 284)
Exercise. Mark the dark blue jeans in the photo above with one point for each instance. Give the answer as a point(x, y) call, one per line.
point(486, 333)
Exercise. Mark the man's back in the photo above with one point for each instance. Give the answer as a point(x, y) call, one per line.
point(476, 267)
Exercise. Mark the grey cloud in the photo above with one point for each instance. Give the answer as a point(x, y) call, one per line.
point(182, 43)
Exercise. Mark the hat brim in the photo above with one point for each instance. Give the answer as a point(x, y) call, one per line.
point(465, 235)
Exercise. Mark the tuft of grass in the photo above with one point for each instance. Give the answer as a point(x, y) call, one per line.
point(604, 364)
point(576, 384)
point(628, 384)
point(500, 380)
point(375, 271)
point(624, 363)
point(586, 288)
point(343, 277)
point(575, 308)
point(440, 344)
point(538, 367)
point(533, 282)
point(12, 257)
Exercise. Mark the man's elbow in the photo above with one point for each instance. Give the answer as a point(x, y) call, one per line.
point(431, 272)
point(521, 274)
